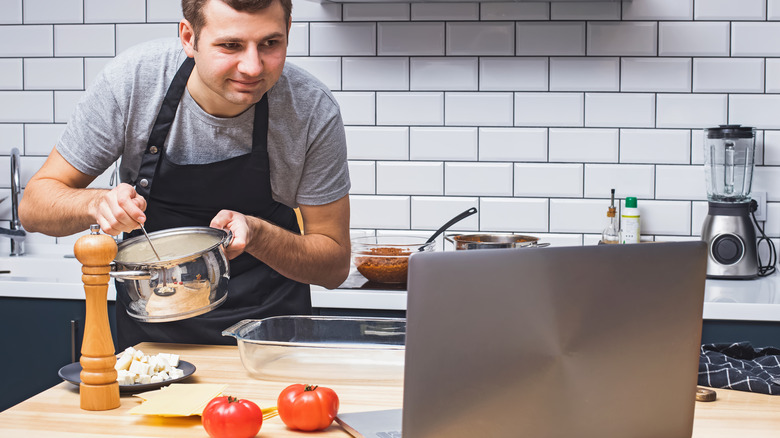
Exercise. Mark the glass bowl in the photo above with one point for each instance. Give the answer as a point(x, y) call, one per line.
point(385, 259)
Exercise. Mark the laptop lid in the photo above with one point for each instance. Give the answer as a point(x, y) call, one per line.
point(592, 341)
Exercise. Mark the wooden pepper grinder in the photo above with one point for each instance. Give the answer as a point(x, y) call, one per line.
point(99, 390)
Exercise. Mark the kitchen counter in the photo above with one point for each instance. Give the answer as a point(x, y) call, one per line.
point(57, 277)
point(56, 413)
point(744, 300)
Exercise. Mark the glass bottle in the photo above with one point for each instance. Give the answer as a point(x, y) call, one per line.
point(611, 233)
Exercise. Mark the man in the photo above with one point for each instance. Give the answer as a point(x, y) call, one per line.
point(213, 130)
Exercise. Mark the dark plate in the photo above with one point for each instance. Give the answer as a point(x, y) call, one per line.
point(71, 373)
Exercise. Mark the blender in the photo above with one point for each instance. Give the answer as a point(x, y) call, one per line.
point(728, 165)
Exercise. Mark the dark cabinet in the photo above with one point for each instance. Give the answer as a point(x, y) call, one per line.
point(758, 333)
point(39, 336)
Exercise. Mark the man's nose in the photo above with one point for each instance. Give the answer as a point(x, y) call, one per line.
point(251, 63)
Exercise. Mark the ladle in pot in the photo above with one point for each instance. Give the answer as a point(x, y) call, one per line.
point(451, 222)
point(163, 290)
point(150, 241)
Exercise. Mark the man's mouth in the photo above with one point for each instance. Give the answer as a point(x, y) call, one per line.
point(246, 83)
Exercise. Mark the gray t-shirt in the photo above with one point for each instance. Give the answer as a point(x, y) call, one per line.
point(306, 141)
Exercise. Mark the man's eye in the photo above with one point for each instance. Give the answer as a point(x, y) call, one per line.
point(230, 46)
point(271, 43)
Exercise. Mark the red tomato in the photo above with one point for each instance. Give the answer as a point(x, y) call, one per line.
point(229, 417)
point(307, 407)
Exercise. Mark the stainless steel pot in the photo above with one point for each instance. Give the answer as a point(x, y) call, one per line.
point(189, 279)
point(493, 241)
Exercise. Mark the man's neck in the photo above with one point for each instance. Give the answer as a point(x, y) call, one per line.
point(209, 101)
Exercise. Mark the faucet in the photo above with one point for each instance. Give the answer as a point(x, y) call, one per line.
point(16, 233)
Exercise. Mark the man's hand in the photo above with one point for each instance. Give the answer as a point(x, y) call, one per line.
point(119, 210)
point(56, 202)
point(237, 224)
point(321, 256)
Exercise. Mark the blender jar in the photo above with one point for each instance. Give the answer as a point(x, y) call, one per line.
point(729, 152)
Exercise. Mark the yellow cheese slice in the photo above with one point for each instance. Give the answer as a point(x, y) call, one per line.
point(178, 399)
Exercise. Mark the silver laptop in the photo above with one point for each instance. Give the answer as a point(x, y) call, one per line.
point(595, 341)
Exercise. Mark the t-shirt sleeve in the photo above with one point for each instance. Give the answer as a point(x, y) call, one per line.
point(325, 177)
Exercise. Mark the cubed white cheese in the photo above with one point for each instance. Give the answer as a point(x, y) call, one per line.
point(154, 364)
point(124, 377)
point(139, 367)
point(135, 367)
point(123, 363)
point(172, 359)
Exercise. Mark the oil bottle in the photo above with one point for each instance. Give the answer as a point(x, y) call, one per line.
point(611, 233)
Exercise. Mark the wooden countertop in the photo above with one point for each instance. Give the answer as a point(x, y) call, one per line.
point(56, 413)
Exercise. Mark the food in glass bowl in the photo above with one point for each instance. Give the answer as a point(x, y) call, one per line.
point(385, 259)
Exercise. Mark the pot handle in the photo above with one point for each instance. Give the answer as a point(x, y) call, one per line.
point(233, 329)
point(130, 275)
point(227, 240)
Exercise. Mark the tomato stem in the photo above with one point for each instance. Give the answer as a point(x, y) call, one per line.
point(232, 399)
point(310, 387)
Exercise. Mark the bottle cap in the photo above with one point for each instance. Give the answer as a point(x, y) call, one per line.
point(631, 202)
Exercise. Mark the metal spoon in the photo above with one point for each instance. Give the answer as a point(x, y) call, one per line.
point(150, 241)
point(452, 222)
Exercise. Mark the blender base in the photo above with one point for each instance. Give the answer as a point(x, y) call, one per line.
point(731, 239)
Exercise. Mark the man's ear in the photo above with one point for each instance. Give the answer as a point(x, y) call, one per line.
point(187, 36)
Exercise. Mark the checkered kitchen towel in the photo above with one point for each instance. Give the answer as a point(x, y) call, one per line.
point(740, 366)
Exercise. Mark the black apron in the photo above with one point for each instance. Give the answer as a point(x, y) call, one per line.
point(191, 195)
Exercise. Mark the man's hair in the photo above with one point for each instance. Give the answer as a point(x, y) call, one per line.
point(193, 10)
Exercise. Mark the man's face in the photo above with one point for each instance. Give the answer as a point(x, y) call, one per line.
point(239, 56)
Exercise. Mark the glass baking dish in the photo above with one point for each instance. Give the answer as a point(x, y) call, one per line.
point(313, 349)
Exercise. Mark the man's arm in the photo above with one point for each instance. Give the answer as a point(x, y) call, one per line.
point(321, 256)
point(56, 202)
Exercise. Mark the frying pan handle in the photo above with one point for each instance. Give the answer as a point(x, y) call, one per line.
point(452, 221)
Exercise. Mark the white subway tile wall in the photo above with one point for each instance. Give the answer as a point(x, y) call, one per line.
point(11, 74)
point(85, 40)
point(512, 144)
point(375, 12)
point(730, 10)
point(515, 11)
point(689, 38)
point(53, 11)
point(655, 74)
point(445, 11)
point(584, 145)
point(443, 143)
point(529, 111)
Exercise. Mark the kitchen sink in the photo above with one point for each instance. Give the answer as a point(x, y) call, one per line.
point(43, 276)
point(56, 269)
